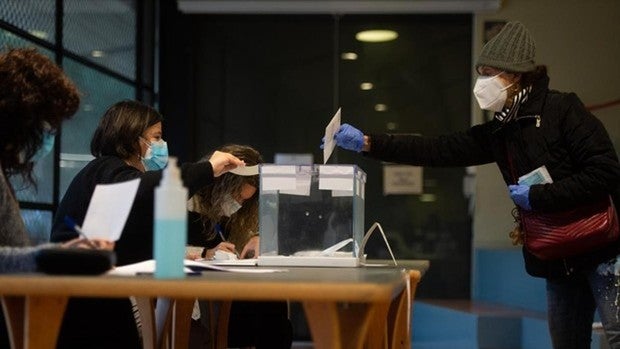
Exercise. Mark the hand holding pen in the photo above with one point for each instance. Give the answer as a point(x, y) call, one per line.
point(84, 241)
point(225, 245)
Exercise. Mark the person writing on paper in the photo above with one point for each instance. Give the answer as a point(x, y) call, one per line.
point(532, 127)
point(224, 217)
point(127, 144)
point(35, 97)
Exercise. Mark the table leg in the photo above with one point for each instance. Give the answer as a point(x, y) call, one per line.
point(337, 326)
point(34, 322)
point(376, 337)
point(399, 319)
point(146, 311)
point(181, 322)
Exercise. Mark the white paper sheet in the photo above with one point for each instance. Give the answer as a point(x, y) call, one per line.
point(337, 178)
point(303, 182)
point(108, 210)
point(330, 131)
point(245, 170)
point(278, 177)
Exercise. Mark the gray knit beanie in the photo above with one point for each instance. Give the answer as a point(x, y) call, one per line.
point(512, 49)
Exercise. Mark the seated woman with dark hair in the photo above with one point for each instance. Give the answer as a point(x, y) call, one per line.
point(127, 144)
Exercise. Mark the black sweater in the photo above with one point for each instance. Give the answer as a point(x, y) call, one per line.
point(109, 323)
point(136, 241)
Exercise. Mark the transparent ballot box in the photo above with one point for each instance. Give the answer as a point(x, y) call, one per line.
point(311, 215)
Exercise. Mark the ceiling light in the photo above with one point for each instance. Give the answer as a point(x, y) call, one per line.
point(349, 56)
point(41, 34)
point(97, 53)
point(391, 126)
point(366, 86)
point(378, 35)
point(380, 107)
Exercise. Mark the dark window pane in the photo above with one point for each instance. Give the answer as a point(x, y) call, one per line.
point(8, 39)
point(38, 224)
point(103, 32)
point(99, 91)
point(33, 16)
point(44, 168)
point(43, 175)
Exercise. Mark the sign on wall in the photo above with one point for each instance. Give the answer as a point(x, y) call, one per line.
point(402, 179)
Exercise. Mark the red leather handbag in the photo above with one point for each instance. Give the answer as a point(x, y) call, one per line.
point(563, 234)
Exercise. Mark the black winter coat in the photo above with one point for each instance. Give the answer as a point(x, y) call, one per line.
point(552, 129)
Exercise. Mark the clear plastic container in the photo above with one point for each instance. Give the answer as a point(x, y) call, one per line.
point(311, 214)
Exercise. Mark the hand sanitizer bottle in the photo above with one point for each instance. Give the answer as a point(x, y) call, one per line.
point(170, 225)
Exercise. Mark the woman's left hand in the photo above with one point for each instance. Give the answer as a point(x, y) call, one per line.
point(251, 249)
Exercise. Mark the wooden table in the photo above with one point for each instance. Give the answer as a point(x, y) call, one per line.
point(345, 307)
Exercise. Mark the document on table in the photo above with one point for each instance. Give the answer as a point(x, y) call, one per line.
point(108, 210)
point(191, 268)
point(231, 262)
point(330, 131)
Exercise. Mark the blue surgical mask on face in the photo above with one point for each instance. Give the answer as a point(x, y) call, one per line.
point(156, 156)
point(47, 144)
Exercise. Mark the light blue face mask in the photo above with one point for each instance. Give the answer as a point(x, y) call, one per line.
point(47, 144)
point(156, 156)
point(230, 206)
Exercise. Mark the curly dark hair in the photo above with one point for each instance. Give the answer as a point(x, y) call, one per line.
point(208, 201)
point(33, 91)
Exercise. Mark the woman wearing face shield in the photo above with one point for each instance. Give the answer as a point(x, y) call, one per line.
point(532, 126)
point(127, 144)
point(224, 216)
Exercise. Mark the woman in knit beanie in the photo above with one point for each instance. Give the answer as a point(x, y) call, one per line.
point(533, 129)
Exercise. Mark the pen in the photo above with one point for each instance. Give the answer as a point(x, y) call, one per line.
point(218, 229)
point(70, 223)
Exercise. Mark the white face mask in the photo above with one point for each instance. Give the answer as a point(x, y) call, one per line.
point(230, 206)
point(490, 92)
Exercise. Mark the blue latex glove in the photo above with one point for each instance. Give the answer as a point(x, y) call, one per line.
point(520, 194)
point(350, 138)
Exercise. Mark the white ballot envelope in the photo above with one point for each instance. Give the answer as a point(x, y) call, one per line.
point(330, 131)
